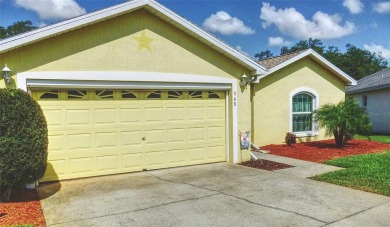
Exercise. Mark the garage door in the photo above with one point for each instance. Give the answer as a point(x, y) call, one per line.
point(100, 132)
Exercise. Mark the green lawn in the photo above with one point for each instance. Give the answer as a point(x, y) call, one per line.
point(370, 172)
point(378, 138)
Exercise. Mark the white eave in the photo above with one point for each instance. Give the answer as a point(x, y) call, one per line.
point(319, 59)
point(117, 10)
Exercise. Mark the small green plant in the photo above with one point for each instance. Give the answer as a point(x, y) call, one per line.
point(23, 140)
point(290, 138)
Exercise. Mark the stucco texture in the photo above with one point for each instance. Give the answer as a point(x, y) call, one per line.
point(113, 45)
point(271, 100)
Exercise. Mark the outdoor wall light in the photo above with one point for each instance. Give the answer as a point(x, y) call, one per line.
point(244, 80)
point(7, 74)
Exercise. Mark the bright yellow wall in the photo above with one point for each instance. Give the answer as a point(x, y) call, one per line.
point(112, 45)
point(272, 98)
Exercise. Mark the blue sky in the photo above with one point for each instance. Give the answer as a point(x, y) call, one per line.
point(248, 25)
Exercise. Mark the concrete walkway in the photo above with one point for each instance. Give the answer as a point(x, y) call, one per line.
point(220, 194)
point(301, 168)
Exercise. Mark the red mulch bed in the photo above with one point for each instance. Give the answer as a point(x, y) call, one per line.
point(265, 164)
point(23, 208)
point(320, 151)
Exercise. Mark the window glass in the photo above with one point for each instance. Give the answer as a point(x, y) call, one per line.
point(195, 94)
point(302, 107)
point(105, 94)
point(77, 94)
point(154, 95)
point(128, 95)
point(213, 95)
point(53, 94)
point(175, 94)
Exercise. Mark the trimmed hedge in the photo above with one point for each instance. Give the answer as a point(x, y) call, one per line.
point(23, 139)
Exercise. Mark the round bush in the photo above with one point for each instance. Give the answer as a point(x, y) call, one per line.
point(23, 139)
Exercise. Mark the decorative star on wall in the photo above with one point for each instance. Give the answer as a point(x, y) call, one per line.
point(144, 42)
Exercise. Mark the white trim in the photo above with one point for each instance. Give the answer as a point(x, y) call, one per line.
point(54, 78)
point(342, 75)
point(316, 97)
point(152, 6)
point(227, 140)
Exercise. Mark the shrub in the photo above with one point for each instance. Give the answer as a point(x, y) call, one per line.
point(290, 138)
point(343, 120)
point(23, 139)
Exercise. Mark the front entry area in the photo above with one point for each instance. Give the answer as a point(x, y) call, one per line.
point(101, 132)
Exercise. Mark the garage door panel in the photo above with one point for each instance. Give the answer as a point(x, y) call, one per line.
point(177, 157)
point(82, 141)
point(197, 155)
point(57, 169)
point(105, 116)
point(176, 114)
point(132, 162)
point(84, 165)
point(106, 140)
point(155, 159)
point(131, 138)
point(196, 113)
point(94, 136)
point(58, 144)
point(79, 117)
point(155, 137)
point(176, 135)
point(108, 163)
point(154, 114)
point(215, 133)
point(216, 153)
point(197, 134)
point(131, 115)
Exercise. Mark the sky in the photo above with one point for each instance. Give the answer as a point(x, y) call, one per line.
point(250, 26)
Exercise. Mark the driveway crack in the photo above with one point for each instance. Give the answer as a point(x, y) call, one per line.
point(362, 211)
point(239, 198)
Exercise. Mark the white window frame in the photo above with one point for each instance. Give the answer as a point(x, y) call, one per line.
point(316, 101)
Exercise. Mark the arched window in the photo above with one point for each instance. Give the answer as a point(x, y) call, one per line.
point(302, 108)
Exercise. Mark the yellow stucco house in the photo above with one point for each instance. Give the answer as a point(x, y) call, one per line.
point(137, 87)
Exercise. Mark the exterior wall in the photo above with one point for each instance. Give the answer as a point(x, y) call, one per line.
point(135, 42)
point(378, 108)
point(271, 101)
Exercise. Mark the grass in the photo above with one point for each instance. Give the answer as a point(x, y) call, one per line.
point(370, 172)
point(378, 138)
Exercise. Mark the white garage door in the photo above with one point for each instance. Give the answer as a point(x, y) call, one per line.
point(100, 132)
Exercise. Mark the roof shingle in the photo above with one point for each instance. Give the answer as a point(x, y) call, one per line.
point(378, 80)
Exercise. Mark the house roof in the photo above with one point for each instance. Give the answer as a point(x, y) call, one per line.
point(276, 63)
point(378, 80)
point(150, 5)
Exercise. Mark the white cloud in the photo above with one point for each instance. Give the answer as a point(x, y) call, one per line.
point(291, 22)
point(382, 7)
point(354, 6)
point(379, 49)
point(52, 9)
point(225, 24)
point(278, 41)
point(239, 48)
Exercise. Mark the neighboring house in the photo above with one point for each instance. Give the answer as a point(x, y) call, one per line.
point(137, 87)
point(373, 94)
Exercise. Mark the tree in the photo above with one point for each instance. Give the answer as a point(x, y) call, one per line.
point(314, 44)
point(15, 29)
point(355, 62)
point(343, 120)
point(264, 55)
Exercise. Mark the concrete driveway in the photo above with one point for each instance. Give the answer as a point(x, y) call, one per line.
point(220, 194)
